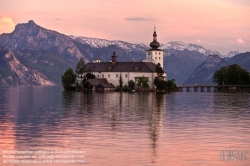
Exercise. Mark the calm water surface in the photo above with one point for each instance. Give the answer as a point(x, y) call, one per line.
point(113, 128)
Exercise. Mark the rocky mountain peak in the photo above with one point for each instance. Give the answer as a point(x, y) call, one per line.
point(213, 58)
point(31, 22)
point(180, 46)
point(232, 54)
point(30, 35)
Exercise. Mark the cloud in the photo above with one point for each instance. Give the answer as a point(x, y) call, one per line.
point(6, 25)
point(241, 2)
point(240, 41)
point(59, 19)
point(138, 19)
point(198, 40)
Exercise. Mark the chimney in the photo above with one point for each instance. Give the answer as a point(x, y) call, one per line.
point(96, 60)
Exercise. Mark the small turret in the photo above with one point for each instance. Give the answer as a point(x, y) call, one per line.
point(114, 58)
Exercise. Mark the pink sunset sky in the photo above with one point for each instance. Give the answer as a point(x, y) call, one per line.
point(222, 25)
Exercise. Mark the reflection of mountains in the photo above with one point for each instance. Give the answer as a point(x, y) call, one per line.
point(3, 101)
point(6, 126)
point(43, 117)
point(33, 111)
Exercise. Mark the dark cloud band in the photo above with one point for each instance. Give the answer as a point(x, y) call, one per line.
point(138, 19)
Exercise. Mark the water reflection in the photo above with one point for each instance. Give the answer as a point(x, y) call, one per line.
point(3, 104)
point(126, 128)
point(156, 122)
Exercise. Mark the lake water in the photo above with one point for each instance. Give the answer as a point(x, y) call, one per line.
point(124, 129)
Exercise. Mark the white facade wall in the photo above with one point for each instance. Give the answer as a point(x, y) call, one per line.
point(155, 56)
point(113, 77)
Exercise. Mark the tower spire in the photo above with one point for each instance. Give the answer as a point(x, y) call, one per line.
point(155, 35)
point(154, 44)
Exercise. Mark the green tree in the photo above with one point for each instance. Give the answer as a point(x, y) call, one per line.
point(88, 76)
point(131, 84)
point(159, 71)
point(219, 75)
point(231, 75)
point(142, 82)
point(160, 84)
point(159, 81)
point(80, 68)
point(170, 85)
point(68, 79)
point(120, 82)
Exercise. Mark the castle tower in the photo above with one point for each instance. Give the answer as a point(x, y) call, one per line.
point(155, 54)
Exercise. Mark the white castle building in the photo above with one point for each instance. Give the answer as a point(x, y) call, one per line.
point(112, 70)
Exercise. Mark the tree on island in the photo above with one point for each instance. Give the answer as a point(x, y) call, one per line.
point(80, 68)
point(131, 85)
point(120, 82)
point(160, 83)
point(120, 86)
point(231, 75)
point(142, 82)
point(159, 72)
point(88, 76)
point(171, 86)
point(68, 79)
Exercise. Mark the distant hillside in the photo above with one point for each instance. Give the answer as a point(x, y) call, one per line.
point(204, 73)
point(13, 72)
point(181, 64)
point(241, 59)
point(50, 64)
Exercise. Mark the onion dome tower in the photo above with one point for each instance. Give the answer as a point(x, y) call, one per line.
point(155, 54)
point(155, 44)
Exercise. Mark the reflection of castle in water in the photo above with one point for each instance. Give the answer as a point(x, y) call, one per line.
point(138, 111)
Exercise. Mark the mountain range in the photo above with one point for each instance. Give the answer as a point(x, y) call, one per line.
point(33, 55)
point(204, 73)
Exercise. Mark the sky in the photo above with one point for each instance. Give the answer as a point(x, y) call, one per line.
point(222, 25)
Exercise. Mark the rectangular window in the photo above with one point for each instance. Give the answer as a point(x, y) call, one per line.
point(116, 75)
point(102, 75)
point(155, 57)
point(108, 75)
point(126, 75)
point(159, 57)
point(155, 53)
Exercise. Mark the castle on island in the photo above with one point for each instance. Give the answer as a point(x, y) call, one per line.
point(108, 73)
